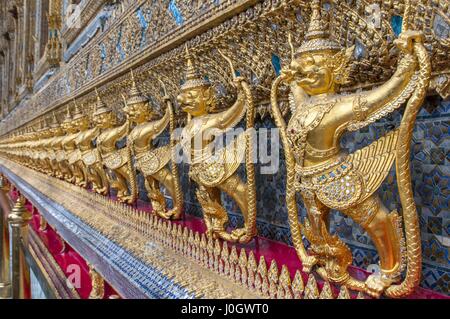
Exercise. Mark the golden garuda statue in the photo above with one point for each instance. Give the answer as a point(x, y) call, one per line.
point(150, 161)
point(91, 158)
point(328, 178)
point(74, 124)
point(117, 161)
point(216, 173)
point(65, 171)
point(40, 154)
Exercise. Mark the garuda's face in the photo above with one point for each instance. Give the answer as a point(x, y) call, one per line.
point(137, 113)
point(315, 74)
point(57, 131)
point(195, 101)
point(81, 124)
point(105, 120)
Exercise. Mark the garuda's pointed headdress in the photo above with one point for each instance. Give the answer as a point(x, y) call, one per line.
point(68, 118)
point(193, 78)
point(77, 113)
point(100, 106)
point(135, 95)
point(317, 37)
point(54, 123)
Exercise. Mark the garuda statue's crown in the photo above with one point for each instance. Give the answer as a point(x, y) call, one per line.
point(68, 117)
point(54, 123)
point(77, 114)
point(100, 106)
point(44, 125)
point(135, 95)
point(193, 78)
point(317, 37)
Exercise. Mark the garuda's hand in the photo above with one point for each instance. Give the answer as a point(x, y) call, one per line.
point(406, 40)
point(288, 74)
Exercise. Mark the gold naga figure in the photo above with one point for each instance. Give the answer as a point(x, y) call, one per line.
point(216, 173)
point(328, 178)
point(152, 162)
point(73, 125)
point(117, 161)
point(91, 158)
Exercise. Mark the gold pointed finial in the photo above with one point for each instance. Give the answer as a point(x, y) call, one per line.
point(193, 78)
point(54, 123)
point(68, 117)
point(135, 95)
point(77, 112)
point(19, 215)
point(317, 38)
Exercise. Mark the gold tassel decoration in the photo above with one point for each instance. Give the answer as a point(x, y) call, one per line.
point(243, 262)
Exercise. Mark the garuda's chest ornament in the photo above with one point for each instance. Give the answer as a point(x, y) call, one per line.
point(328, 178)
point(216, 171)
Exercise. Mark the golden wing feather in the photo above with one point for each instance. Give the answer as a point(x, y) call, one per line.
point(374, 162)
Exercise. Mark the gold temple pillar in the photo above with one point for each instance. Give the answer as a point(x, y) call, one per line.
point(5, 281)
point(19, 220)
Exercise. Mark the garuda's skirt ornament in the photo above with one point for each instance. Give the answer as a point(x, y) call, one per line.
point(328, 178)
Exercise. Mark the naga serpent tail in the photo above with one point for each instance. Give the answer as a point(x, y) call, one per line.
point(410, 217)
point(250, 167)
point(173, 143)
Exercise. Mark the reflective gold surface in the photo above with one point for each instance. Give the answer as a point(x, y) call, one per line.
point(328, 179)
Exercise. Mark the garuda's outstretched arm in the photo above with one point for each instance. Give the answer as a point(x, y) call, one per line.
point(122, 131)
point(371, 106)
point(234, 114)
point(155, 128)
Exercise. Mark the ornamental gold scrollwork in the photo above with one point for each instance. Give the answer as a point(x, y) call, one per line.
point(328, 178)
point(216, 173)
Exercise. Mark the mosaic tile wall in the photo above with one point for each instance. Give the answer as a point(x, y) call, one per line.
point(430, 171)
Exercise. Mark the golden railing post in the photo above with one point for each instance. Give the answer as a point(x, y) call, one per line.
point(18, 220)
point(5, 282)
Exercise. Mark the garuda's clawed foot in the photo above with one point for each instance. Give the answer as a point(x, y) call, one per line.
point(102, 191)
point(174, 214)
point(241, 235)
point(377, 283)
point(308, 263)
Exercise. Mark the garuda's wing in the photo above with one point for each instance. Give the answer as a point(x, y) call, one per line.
point(222, 164)
point(374, 162)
